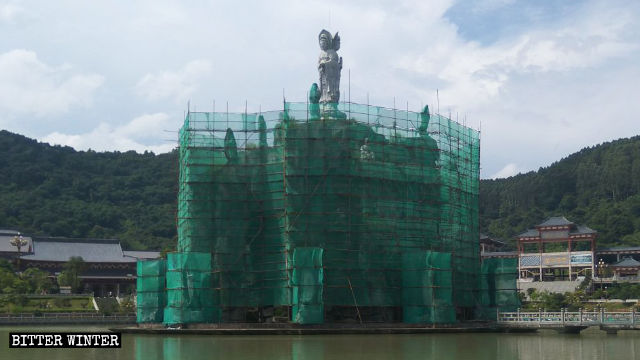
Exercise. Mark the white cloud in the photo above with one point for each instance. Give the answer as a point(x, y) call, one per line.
point(144, 133)
point(545, 79)
point(177, 86)
point(540, 92)
point(29, 86)
point(476, 74)
point(507, 171)
point(9, 11)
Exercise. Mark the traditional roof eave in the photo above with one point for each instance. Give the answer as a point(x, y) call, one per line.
point(529, 234)
point(504, 254)
point(91, 250)
point(555, 221)
point(627, 262)
point(619, 250)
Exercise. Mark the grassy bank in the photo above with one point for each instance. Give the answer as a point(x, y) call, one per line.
point(44, 304)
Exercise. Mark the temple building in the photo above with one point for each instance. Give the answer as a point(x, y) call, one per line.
point(626, 269)
point(490, 245)
point(109, 269)
point(556, 249)
point(558, 254)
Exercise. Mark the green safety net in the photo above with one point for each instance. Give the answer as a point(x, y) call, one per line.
point(498, 287)
point(365, 184)
point(151, 294)
point(190, 296)
point(307, 280)
point(427, 287)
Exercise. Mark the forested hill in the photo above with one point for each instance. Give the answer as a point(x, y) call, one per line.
point(597, 186)
point(58, 191)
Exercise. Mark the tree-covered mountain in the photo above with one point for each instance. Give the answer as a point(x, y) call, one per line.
point(58, 191)
point(598, 186)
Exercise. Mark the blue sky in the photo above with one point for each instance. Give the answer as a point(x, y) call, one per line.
point(492, 20)
point(542, 79)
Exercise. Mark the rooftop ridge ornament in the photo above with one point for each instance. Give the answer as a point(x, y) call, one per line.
point(18, 241)
point(329, 67)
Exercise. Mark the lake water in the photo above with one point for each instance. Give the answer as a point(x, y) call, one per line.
point(594, 345)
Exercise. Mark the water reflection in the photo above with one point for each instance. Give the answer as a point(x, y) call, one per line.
point(542, 346)
point(437, 346)
point(596, 346)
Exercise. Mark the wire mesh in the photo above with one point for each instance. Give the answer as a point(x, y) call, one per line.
point(366, 185)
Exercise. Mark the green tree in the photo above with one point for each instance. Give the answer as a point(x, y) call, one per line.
point(597, 187)
point(5, 264)
point(70, 276)
point(7, 280)
point(38, 280)
point(57, 191)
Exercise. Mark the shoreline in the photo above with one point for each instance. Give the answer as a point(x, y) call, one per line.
point(324, 329)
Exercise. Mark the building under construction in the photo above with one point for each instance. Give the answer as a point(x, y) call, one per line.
point(322, 213)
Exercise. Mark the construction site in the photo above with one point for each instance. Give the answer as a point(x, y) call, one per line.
point(326, 213)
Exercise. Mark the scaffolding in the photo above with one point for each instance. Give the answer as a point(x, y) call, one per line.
point(498, 287)
point(150, 290)
point(329, 211)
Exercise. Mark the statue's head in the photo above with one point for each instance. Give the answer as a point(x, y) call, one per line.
point(325, 40)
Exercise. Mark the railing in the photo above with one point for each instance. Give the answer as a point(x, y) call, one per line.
point(66, 317)
point(616, 278)
point(569, 318)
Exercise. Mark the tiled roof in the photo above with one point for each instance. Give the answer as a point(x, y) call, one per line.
point(500, 254)
point(530, 233)
point(624, 248)
point(627, 262)
point(142, 254)
point(581, 229)
point(91, 250)
point(489, 240)
point(556, 221)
